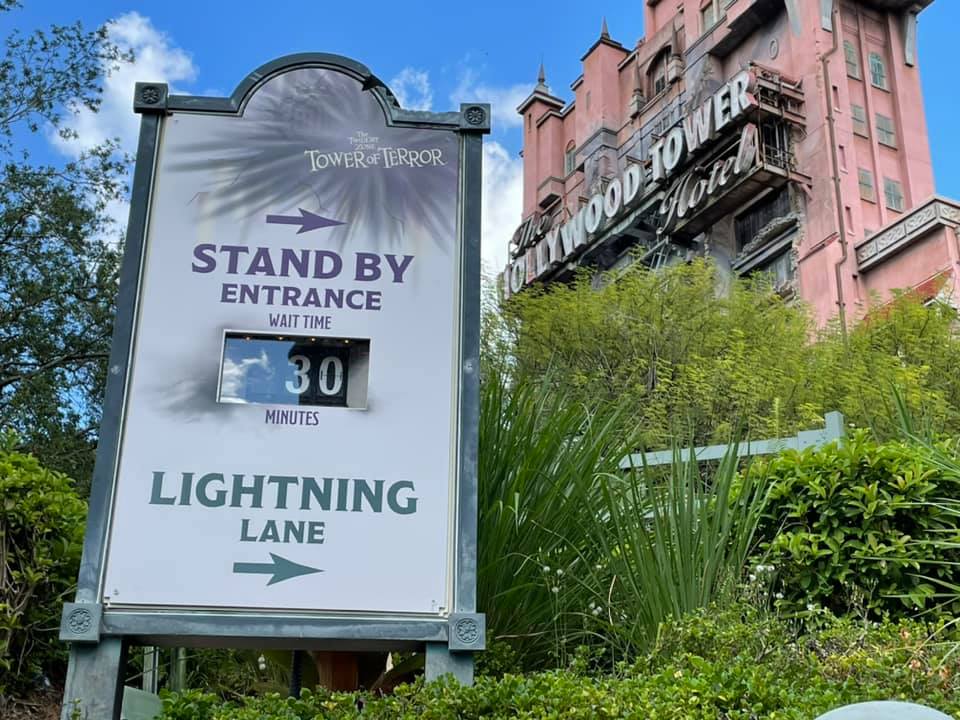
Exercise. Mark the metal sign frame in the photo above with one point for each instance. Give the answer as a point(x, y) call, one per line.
point(99, 635)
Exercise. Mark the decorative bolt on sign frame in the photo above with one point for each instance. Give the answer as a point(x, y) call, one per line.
point(288, 450)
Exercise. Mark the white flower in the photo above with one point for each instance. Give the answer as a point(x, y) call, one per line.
point(811, 607)
point(554, 589)
point(779, 596)
point(559, 571)
point(753, 578)
point(546, 568)
point(262, 663)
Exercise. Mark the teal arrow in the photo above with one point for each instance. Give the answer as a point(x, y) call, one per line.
point(281, 569)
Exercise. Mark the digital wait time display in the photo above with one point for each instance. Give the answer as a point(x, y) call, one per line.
point(294, 370)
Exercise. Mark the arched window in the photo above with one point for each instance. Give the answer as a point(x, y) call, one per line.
point(657, 73)
point(853, 59)
point(878, 71)
point(569, 158)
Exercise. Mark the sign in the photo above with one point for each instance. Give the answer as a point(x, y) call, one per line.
point(695, 188)
point(310, 273)
point(289, 441)
point(542, 245)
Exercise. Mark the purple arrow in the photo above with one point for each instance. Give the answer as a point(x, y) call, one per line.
point(307, 221)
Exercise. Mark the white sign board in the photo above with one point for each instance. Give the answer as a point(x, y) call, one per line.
point(289, 432)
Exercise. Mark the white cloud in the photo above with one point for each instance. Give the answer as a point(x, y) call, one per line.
point(503, 100)
point(234, 379)
point(412, 88)
point(156, 59)
point(502, 203)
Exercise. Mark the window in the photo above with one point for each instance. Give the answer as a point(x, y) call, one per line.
point(859, 120)
point(853, 60)
point(657, 73)
point(866, 185)
point(781, 271)
point(753, 220)
point(709, 14)
point(878, 71)
point(569, 158)
point(893, 191)
point(775, 139)
point(886, 133)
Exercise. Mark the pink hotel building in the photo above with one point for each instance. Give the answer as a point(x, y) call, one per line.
point(785, 136)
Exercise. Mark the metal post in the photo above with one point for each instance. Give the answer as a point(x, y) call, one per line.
point(151, 669)
point(178, 669)
point(94, 686)
point(441, 661)
point(296, 673)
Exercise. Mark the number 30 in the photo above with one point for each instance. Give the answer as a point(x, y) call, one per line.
point(330, 379)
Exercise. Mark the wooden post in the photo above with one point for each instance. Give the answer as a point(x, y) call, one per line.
point(339, 671)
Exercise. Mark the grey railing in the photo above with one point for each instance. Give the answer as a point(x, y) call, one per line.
point(832, 430)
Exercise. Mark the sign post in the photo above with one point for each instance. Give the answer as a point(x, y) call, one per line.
point(293, 386)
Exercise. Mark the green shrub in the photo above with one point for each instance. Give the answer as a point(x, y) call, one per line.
point(41, 535)
point(713, 364)
point(853, 527)
point(736, 665)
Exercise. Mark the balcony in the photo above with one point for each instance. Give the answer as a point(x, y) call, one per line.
point(743, 17)
point(935, 214)
point(775, 166)
point(549, 191)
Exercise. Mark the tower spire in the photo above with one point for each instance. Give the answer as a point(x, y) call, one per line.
point(542, 79)
point(604, 33)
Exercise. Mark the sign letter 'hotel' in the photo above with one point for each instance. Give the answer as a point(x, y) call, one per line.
point(785, 136)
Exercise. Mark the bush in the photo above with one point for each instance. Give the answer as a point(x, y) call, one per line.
point(41, 536)
point(854, 527)
point(686, 359)
point(736, 665)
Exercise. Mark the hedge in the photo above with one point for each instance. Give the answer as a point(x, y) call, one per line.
point(736, 664)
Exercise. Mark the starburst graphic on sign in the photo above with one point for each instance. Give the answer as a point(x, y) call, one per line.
point(312, 138)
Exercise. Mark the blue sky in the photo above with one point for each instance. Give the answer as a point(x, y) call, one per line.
point(432, 54)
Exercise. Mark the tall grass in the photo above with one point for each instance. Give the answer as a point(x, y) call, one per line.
point(673, 542)
point(540, 460)
point(574, 551)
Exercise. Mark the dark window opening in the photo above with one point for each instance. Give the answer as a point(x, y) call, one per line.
point(757, 217)
point(780, 270)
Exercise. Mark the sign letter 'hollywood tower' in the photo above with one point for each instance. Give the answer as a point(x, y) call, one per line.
point(288, 450)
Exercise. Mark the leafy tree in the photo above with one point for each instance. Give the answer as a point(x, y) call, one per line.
point(58, 251)
point(41, 532)
point(693, 361)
